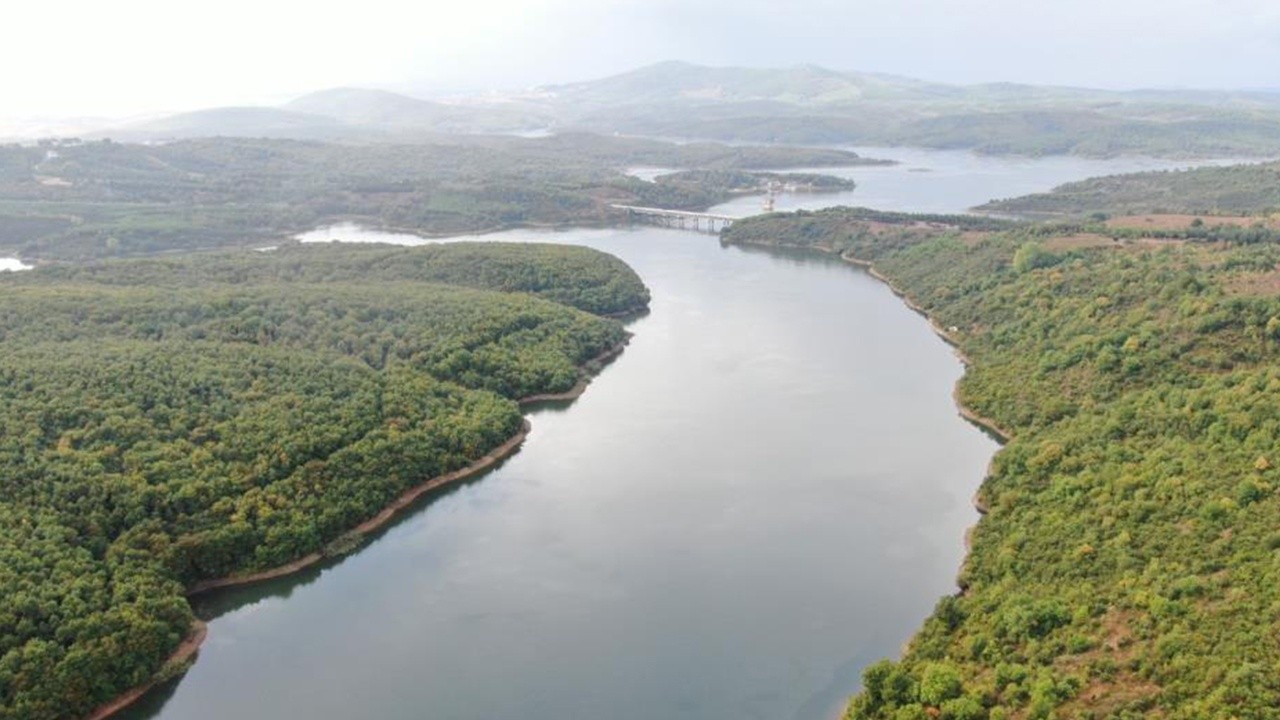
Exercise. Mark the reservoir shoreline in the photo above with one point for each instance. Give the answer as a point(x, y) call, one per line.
point(883, 193)
point(186, 652)
point(759, 355)
point(987, 425)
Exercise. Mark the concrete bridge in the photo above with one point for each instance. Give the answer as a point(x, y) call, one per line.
point(684, 219)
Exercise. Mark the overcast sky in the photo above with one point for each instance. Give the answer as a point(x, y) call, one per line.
point(121, 57)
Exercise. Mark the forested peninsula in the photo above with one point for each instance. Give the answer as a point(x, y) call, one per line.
point(71, 200)
point(167, 422)
point(1127, 563)
point(1250, 190)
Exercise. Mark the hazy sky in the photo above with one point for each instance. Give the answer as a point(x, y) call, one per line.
point(120, 57)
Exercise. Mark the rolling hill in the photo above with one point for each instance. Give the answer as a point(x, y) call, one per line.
point(799, 105)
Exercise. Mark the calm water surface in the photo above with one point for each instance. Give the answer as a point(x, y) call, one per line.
point(767, 491)
point(949, 181)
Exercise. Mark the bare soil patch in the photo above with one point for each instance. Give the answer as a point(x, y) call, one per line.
point(1081, 241)
point(1182, 222)
point(1255, 284)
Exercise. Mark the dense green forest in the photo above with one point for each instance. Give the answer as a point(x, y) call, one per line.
point(76, 201)
point(588, 280)
point(168, 421)
point(1128, 562)
point(743, 181)
point(1237, 189)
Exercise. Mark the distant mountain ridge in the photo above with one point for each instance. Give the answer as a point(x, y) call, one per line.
point(804, 104)
point(814, 85)
point(800, 85)
point(389, 110)
point(251, 121)
point(361, 105)
point(814, 105)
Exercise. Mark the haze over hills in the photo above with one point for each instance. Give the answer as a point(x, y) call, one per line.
point(380, 108)
point(803, 85)
point(815, 86)
point(265, 122)
point(808, 104)
point(804, 104)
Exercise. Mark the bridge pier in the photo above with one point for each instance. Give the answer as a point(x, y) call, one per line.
point(683, 219)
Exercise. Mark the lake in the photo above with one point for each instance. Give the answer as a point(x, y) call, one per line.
point(942, 181)
point(767, 491)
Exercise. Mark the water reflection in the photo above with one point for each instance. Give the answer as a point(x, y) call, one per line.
point(766, 491)
point(948, 181)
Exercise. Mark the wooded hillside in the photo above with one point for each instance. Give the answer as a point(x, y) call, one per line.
point(1128, 564)
point(168, 421)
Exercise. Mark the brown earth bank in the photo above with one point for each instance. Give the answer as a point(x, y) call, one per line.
point(986, 424)
point(592, 366)
point(186, 652)
point(180, 657)
point(983, 423)
point(386, 515)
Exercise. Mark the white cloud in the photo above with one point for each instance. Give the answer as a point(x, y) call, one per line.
point(93, 57)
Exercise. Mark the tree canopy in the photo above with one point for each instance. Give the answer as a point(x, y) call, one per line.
point(168, 421)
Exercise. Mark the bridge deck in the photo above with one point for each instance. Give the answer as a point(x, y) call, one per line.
point(674, 213)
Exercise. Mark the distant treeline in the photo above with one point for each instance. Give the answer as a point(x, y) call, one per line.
point(833, 228)
point(744, 181)
point(1091, 130)
point(101, 199)
point(1252, 189)
point(1204, 229)
point(588, 280)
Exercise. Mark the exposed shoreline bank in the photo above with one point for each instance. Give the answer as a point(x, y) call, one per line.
point(983, 423)
point(186, 652)
point(384, 516)
point(986, 425)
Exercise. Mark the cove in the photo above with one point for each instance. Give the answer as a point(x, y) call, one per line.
point(765, 492)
